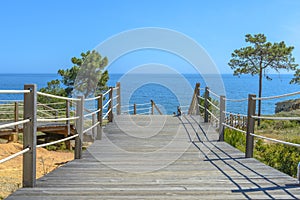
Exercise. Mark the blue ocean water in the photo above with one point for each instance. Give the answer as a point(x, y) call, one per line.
point(168, 92)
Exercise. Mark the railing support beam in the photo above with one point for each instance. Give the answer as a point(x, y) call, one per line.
point(194, 106)
point(118, 85)
point(222, 118)
point(99, 117)
point(134, 109)
point(206, 97)
point(111, 105)
point(29, 136)
point(68, 125)
point(250, 126)
point(79, 128)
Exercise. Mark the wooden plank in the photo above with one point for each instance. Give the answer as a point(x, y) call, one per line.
point(119, 166)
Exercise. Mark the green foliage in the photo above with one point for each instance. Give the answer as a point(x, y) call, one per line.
point(53, 87)
point(278, 125)
point(296, 78)
point(235, 139)
point(210, 107)
point(86, 75)
point(261, 56)
point(90, 78)
point(55, 147)
point(282, 157)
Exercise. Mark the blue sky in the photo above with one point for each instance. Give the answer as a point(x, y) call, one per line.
point(42, 36)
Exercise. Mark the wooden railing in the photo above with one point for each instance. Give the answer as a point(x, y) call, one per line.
point(215, 111)
point(105, 109)
point(142, 109)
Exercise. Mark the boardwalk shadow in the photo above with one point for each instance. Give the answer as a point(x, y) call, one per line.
point(227, 164)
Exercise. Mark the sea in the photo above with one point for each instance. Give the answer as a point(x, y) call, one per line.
point(169, 90)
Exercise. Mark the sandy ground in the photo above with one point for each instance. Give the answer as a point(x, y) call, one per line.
point(11, 171)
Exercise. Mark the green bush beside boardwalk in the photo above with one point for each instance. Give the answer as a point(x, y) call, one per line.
point(285, 158)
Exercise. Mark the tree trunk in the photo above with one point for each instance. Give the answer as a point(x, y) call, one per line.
point(259, 94)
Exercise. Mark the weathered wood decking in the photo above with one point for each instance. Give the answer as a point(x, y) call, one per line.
point(162, 157)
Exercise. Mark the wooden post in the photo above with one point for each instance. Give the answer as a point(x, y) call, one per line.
point(250, 126)
point(99, 116)
point(197, 93)
point(68, 124)
point(194, 106)
point(244, 123)
point(118, 85)
point(79, 128)
point(134, 109)
point(231, 120)
point(94, 130)
point(222, 118)
point(111, 105)
point(206, 96)
point(15, 135)
point(29, 136)
point(67, 116)
point(152, 107)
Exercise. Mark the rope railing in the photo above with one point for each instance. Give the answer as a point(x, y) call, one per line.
point(14, 155)
point(236, 114)
point(139, 109)
point(213, 105)
point(90, 128)
point(106, 114)
point(57, 141)
point(236, 100)
point(54, 112)
point(276, 97)
point(115, 106)
point(57, 97)
point(9, 100)
point(238, 122)
point(275, 140)
point(213, 115)
point(92, 98)
point(144, 113)
point(106, 104)
point(236, 129)
point(202, 98)
point(275, 118)
point(106, 93)
point(116, 97)
point(214, 94)
point(50, 104)
point(45, 113)
point(14, 123)
point(92, 113)
point(7, 119)
point(142, 104)
point(7, 105)
point(126, 106)
point(58, 119)
point(14, 91)
point(201, 106)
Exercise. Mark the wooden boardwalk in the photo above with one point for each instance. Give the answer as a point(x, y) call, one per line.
point(162, 157)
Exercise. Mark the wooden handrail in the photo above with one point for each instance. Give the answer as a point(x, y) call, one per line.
point(153, 105)
point(194, 108)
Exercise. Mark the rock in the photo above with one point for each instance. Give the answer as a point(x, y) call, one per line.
point(287, 106)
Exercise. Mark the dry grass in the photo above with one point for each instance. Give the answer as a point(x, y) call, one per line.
point(11, 171)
